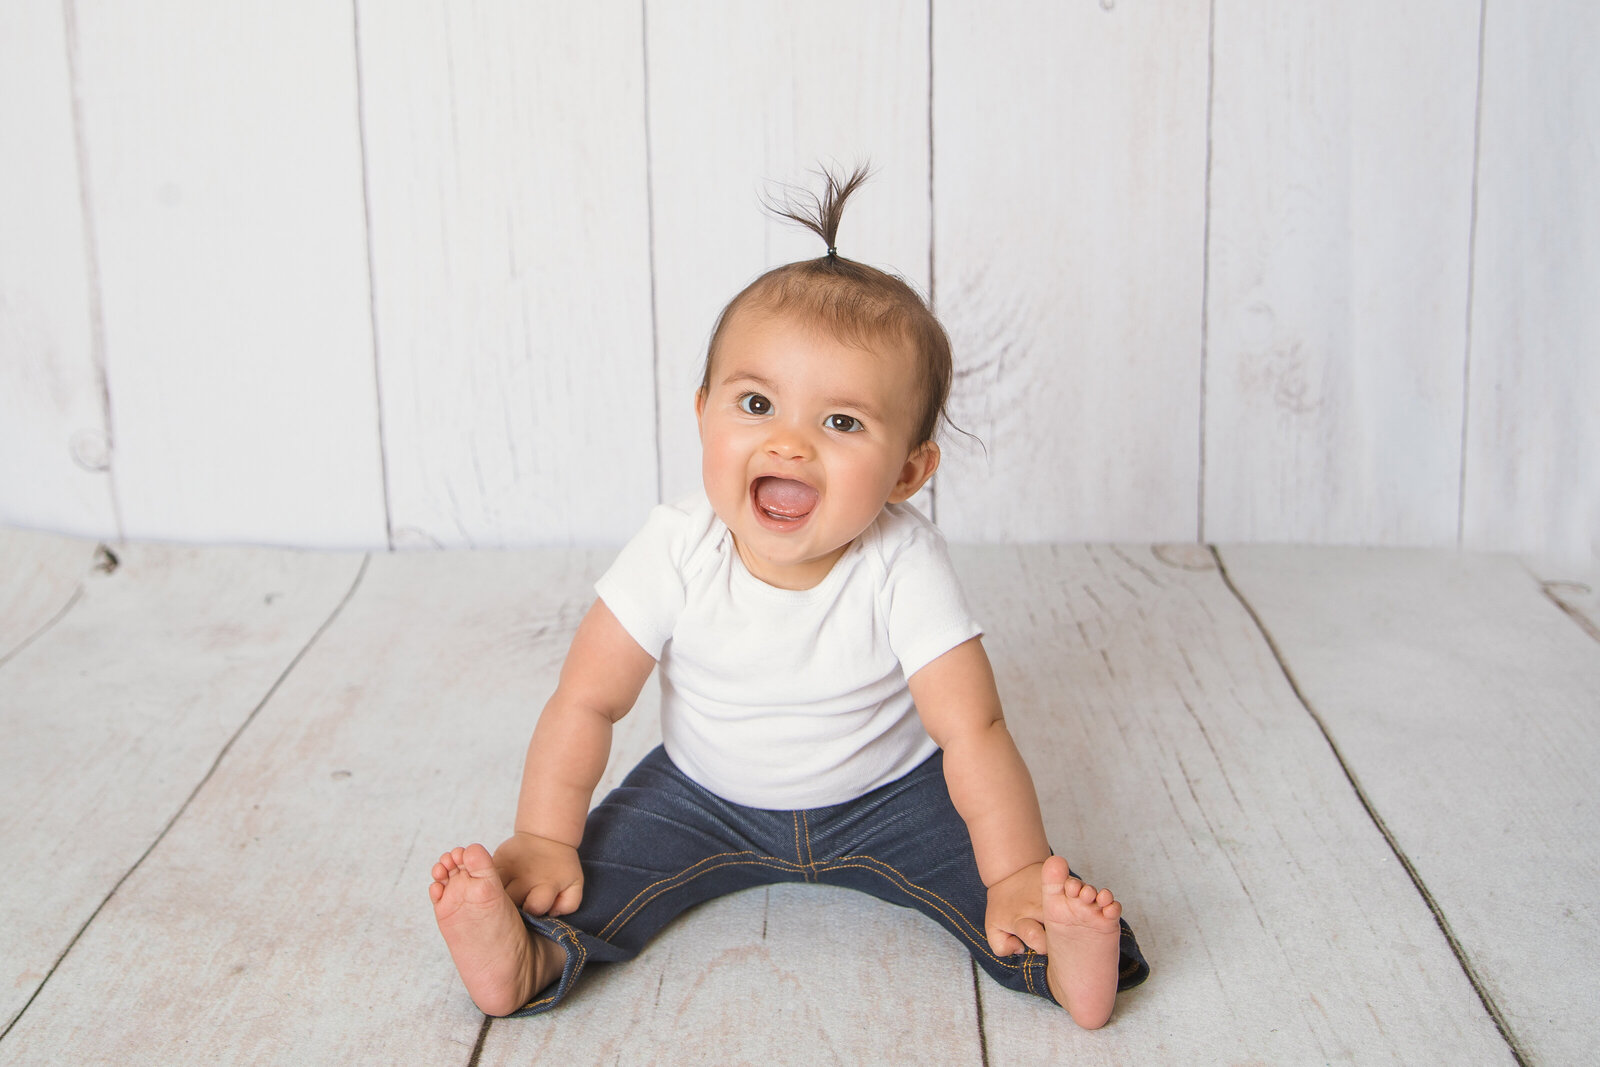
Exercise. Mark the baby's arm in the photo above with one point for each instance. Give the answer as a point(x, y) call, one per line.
point(990, 787)
point(605, 670)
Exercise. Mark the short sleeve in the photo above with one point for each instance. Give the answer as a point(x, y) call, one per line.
point(927, 613)
point(644, 586)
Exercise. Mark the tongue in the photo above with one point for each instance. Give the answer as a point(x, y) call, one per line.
point(780, 496)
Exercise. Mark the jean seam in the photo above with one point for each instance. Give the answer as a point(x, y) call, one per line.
point(949, 910)
point(570, 935)
point(800, 857)
point(677, 881)
point(810, 860)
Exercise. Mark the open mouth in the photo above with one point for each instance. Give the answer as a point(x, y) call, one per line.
point(783, 502)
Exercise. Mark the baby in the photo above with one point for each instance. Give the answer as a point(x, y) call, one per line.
point(828, 713)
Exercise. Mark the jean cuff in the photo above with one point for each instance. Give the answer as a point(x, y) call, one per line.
point(569, 939)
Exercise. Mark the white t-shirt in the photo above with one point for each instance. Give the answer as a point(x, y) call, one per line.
point(779, 698)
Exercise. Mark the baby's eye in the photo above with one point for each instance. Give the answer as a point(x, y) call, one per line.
point(844, 423)
point(755, 404)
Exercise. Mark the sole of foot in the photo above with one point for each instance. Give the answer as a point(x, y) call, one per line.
point(1085, 942)
point(491, 947)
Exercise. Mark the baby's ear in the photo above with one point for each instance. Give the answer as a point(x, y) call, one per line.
point(918, 468)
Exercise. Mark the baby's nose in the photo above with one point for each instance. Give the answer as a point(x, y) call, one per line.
point(787, 441)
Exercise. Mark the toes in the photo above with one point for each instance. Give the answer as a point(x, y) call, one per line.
point(1103, 898)
point(1054, 872)
point(476, 859)
point(436, 892)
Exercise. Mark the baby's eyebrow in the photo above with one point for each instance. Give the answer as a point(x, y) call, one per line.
point(853, 404)
point(748, 378)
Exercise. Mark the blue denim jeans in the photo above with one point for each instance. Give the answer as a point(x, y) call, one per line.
point(659, 844)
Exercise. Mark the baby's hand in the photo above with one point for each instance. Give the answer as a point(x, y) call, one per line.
point(543, 877)
point(1016, 908)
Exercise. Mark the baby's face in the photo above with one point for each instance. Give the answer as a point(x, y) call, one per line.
point(804, 439)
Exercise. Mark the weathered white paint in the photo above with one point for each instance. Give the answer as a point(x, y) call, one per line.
point(1468, 708)
point(54, 451)
point(1175, 765)
point(224, 174)
point(505, 149)
point(1069, 198)
point(793, 974)
point(744, 96)
point(40, 575)
point(1533, 424)
point(1577, 591)
point(286, 907)
point(114, 716)
point(542, 182)
point(398, 735)
point(1340, 214)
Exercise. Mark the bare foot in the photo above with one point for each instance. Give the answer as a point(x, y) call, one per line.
point(1085, 941)
point(501, 961)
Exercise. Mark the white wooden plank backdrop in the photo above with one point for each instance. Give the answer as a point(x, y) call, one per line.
point(54, 451)
point(1069, 191)
point(1340, 210)
point(1533, 440)
point(224, 171)
point(1210, 267)
point(510, 239)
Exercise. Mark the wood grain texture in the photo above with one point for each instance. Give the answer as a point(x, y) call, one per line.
point(511, 269)
point(788, 974)
point(113, 717)
point(41, 575)
point(1069, 198)
point(743, 96)
point(1468, 707)
point(54, 451)
point(1533, 437)
point(289, 903)
point(1340, 218)
point(1575, 589)
point(224, 173)
point(1175, 764)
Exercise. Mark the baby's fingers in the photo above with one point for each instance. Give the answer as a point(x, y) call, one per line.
point(1032, 934)
point(539, 898)
point(567, 900)
point(1004, 943)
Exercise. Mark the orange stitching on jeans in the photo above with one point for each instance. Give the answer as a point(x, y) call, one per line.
point(810, 860)
point(766, 861)
point(913, 889)
point(798, 855)
point(568, 934)
point(669, 878)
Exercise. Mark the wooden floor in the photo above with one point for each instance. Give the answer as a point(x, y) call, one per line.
point(1348, 797)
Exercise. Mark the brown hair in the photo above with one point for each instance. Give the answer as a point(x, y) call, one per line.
point(856, 302)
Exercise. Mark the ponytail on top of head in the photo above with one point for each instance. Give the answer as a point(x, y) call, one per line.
point(819, 214)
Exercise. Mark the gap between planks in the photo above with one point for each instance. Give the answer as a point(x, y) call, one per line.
point(1478, 987)
point(222, 754)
